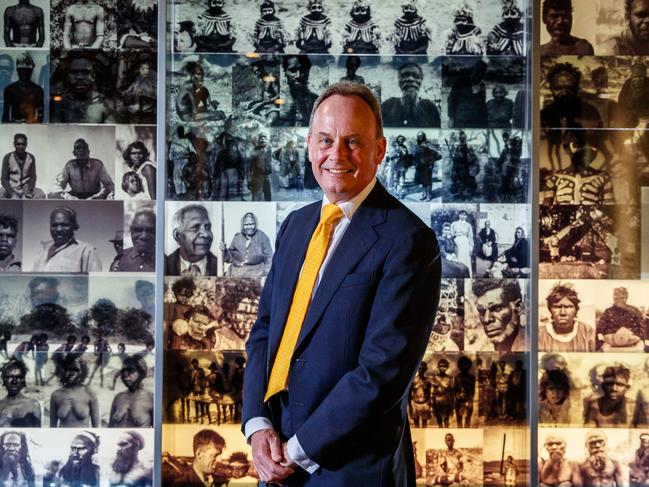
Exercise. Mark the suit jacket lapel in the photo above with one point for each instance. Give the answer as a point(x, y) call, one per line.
point(293, 250)
point(356, 242)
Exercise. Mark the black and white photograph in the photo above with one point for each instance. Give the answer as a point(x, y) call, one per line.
point(506, 457)
point(210, 314)
point(218, 451)
point(503, 246)
point(622, 316)
point(83, 24)
point(81, 163)
point(456, 228)
point(137, 24)
point(135, 245)
point(137, 87)
point(11, 238)
point(196, 381)
point(444, 392)
point(589, 242)
point(256, 90)
point(302, 80)
point(121, 308)
point(604, 456)
point(495, 315)
point(83, 86)
point(502, 389)
point(285, 208)
point(358, 69)
point(448, 456)
point(24, 86)
point(594, 390)
point(481, 93)
point(60, 300)
point(68, 237)
point(448, 328)
point(202, 90)
point(465, 161)
point(24, 172)
point(135, 162)
point(567, 315)
point(193, 233)
point(292, 178)
point(26, 24)
point(88, 456)
point(320, 27)
point(411, 94)
point(248, 239)
point(506, 176)
point(412, 167)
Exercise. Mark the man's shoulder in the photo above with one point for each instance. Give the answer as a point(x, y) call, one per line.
point(96, 162)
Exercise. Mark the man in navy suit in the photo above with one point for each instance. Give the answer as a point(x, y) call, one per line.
point(193, 234)
point(341, 420)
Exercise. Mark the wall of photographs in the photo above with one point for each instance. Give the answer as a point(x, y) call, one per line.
point(77, 237)
point(452, 78)
point(593, 314)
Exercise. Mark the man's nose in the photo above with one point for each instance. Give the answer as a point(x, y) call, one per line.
point(338, 150)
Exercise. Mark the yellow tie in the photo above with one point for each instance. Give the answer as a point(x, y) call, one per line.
point(315, 254)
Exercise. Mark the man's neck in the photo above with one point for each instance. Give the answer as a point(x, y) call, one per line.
point(506, 345)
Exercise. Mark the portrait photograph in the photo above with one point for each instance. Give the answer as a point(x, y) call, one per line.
point(502, 389)
point(503, 247)
point(506, 176)
point(79, 241)
point(506, 457)
point(444, 392)
point(256, 89)
point(448, 456)
point(495, 315)
point(618, 31)
point(83, 85)
point(136, 24)
point(564, 450)
point(68, 151)
point(487, 93)
point(210, 314)
point(26, 24)
point(137, 87)
point(566, 27)
point(567, 314)
point(135, 151)
point(79, 24)
point(359, 69)
point(412, 167)
point(68, 456)
point(455, 227)
point(11, 229)
point(233, 463)
point(196, 381)
point(464, 163)
point(31, 144)
point(302, 79)
point(448, 327)
point(593, 390)
point(24, 86)
point(193, 233)
point(589, 242)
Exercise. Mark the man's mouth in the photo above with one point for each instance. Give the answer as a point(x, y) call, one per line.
point(338, 171)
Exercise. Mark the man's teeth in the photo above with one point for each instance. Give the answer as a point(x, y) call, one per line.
point(339, 171)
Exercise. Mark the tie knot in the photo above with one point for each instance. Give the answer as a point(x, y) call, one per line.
point(331, 213)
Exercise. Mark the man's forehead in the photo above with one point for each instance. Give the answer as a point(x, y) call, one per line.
point(12, 438)
point(196, 214)
point(493, 296)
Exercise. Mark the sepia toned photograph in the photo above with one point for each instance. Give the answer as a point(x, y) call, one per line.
point(503, 247)
point(448, 329)
point(464, 163)
point(506, 457)
point(185, 449)
point(24, 85)
point(502, 389)
point(196, 381)
point(210, 314)
point(455, 227)
point(644, 236)
point(26, 24)
point(589, 242)
point(137, 87)
point(495, 316)
point(68, 236)
point(79, 456)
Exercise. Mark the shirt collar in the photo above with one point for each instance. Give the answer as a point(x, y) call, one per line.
point(202, 264)
point(349, 207)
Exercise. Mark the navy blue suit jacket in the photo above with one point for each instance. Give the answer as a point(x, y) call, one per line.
point(361, 342)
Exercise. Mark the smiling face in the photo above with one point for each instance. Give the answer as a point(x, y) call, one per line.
point(410, 79)
point(248, 227)
point(61, 227)
point(558, 22)
point(344, 148)
point(195, 236)
point(143, 232)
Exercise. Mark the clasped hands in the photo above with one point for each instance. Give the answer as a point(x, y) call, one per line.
point(270, 456)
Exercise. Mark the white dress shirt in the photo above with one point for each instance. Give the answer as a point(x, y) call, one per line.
point(185, 265)
point(295, 451)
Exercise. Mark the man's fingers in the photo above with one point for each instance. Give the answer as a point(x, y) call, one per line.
point(265, 447)
point(276, 448)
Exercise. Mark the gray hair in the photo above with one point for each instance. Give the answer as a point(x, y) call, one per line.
point(345, 88)
point(179, 216)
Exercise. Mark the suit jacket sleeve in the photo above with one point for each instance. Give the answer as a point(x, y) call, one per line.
point(254, 383)
point(396, 337)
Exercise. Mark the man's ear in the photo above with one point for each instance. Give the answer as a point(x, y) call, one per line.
point(176, 235)
point(519, 307)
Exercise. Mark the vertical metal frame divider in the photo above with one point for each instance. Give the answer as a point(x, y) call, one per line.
point(161, 192)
